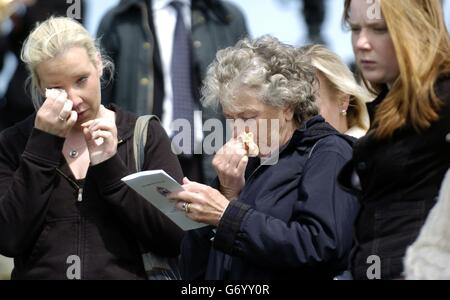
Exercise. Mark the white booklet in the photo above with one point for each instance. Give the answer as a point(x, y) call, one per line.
point(154, 185)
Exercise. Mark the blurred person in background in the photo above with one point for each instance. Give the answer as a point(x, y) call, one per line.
point(24, 14)
point(314, 12)
point(161, 49)
point(341, 100)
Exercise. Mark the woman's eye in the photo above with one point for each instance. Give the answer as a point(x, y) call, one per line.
point(380, 30)
point(82, 80)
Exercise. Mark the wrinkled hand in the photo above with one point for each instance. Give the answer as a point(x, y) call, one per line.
point(206, 205)
point(101, 137)
point(230, 163)
point(55, 115)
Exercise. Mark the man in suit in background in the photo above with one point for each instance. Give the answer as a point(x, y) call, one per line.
point(161, 50)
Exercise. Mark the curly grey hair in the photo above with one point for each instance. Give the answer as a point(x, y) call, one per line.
point(275, 71)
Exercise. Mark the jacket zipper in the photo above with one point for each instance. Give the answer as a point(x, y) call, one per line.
point(80, 231)
point(74, 184)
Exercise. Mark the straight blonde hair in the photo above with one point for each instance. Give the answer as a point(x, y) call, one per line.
point(342, 80)
point(50, 39)
point(422, 46)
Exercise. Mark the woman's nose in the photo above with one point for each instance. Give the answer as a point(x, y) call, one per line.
point(72, 96)
point(363, 42)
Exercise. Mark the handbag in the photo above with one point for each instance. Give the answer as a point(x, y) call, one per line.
point(156, 267)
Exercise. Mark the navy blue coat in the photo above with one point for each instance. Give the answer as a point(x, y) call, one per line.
point(292, 220)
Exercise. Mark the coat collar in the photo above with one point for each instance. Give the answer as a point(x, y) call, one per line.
point(200, 8)
point(303, 138)
point(313, 130)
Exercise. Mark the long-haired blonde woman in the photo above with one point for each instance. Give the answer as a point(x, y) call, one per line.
point(402, 48)
point(341, 100)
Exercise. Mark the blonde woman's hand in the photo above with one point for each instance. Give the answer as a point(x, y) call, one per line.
point(55, 116)
point(230, 163)
point(101, 136)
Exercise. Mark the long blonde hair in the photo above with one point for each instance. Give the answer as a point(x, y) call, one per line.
point(422, 45)
point(50, 39)
point(342, 80)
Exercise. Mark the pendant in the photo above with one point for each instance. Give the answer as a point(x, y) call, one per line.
point(73, 153)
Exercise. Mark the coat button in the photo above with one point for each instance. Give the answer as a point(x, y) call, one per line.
point(197, 44)
point(199, 19)
point(146, 45)
point(144, 81)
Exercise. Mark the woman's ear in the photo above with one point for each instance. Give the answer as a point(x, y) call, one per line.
point(288, 114)
point(344, 102)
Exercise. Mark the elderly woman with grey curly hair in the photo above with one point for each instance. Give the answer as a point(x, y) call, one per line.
point(280, 214)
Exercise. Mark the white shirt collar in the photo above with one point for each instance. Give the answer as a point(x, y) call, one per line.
point(160, 4)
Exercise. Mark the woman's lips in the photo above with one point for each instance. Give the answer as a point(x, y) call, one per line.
point(367, 62)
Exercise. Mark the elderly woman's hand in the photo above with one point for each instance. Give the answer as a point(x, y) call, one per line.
point(230, 163)
point(55, 116)
point(201, 202)
point(101, 136)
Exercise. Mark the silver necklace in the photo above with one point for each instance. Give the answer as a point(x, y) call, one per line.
point(73, 153)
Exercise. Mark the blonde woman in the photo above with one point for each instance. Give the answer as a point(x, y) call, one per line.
point(399, 166)
point(64, 212)
point(341, 100)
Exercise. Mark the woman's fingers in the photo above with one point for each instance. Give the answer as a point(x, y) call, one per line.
point(87, 124)
point(185, 195)
point(242, 165)
point(229, 156)
point(55, 116)
point(181, 205)
point(87, 134)
point(236, 158)
point(195, 187)
point(66, 111)
point(206, 206)
point(72, 119)
point(101, 138)
point(100, 124)
point(59, 103)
